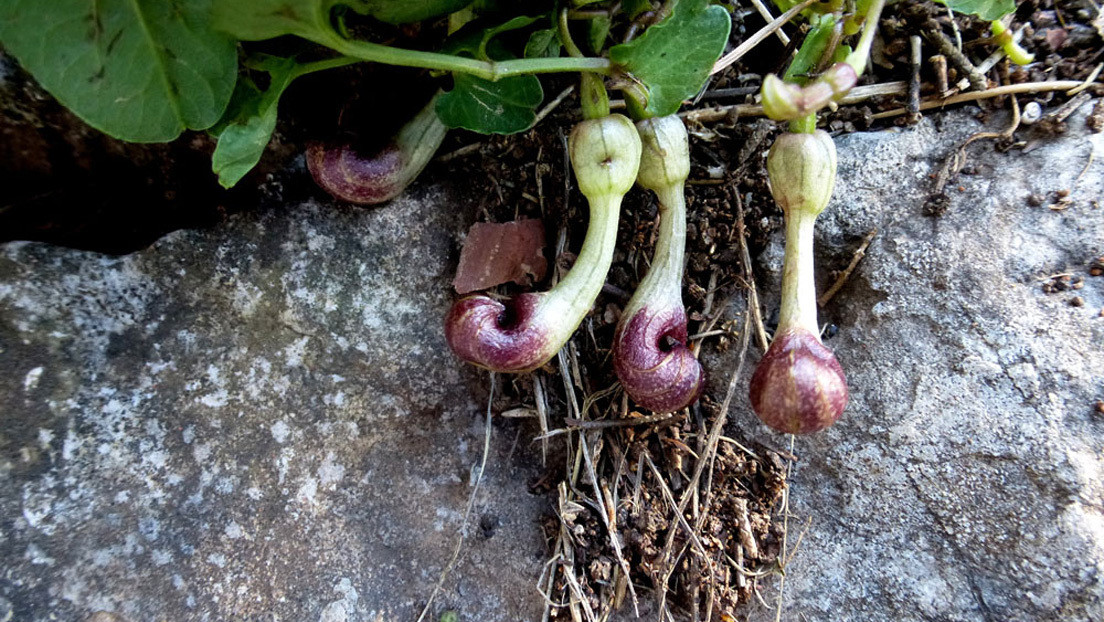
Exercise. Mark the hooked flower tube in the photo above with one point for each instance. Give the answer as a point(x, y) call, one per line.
point(526, 332)
point(377, 177)
point(650, 352)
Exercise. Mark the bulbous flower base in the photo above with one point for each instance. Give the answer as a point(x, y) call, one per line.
point(653, 362)
point(799, 386)
point(487, 333)
point(364, 179)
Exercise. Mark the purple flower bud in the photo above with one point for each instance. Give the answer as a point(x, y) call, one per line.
point(654, 363)
point(605, 155)
point(799, 386)
point(350, 176)
point(841, 77)
point(650, 355)
point(487, 333)
point(783, 101)
point(373, 178)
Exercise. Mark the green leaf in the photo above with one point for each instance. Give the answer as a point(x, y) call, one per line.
point(597, 31)
point(507, 106)
point(812, 48)
point(673, 58)
point(518, 22)
point(472, 40)
point(633, 8)
point(245, 130)
point(139, 70)
point(543, 44)
point(985, 9)
point(407, 11)
point(254, 20)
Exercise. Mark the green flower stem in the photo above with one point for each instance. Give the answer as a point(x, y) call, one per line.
point(804, 125)
point(667, 264)
point(322, 65)
point(565, 36)
point(799, 308)
point(488, 70)
point(636, 101)
point(664, 167)
point(857, 59)
point(663, 282)
point(575, 294)
point(1015, 52)
point(593, 97)
point(592, 92)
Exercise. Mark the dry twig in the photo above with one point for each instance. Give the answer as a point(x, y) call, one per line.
point(753, 295)
point(842, 278)
point(758, 37)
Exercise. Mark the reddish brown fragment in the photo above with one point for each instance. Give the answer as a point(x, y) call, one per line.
point(496, 253)
point(1056, 37)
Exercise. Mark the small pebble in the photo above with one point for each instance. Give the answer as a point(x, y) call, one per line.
point(1099, 406)
point(1035, 199)
point(1032, 112)
point(1077, 301)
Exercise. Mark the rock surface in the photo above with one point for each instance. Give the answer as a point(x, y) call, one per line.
point(965, 481)
point(263, 421)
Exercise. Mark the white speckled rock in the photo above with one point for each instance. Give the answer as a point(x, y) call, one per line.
point(965, 481)
point(260, 422)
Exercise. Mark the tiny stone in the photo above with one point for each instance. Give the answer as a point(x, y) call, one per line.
point(1035, 199)
point(1099, 406)
point(1032, 112)
point(1077, 301)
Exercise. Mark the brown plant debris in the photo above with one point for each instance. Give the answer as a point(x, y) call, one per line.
point(497, 253)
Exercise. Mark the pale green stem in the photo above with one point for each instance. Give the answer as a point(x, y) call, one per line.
point(321, 65)
point(489, 70)
point(799, 306)
point(592, 91)
point(857, 59)
point(804, 125)
point(568, 303)
point(663, 282)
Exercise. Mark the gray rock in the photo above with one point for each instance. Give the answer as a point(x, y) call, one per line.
point(258, 422)
point(966, 478)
